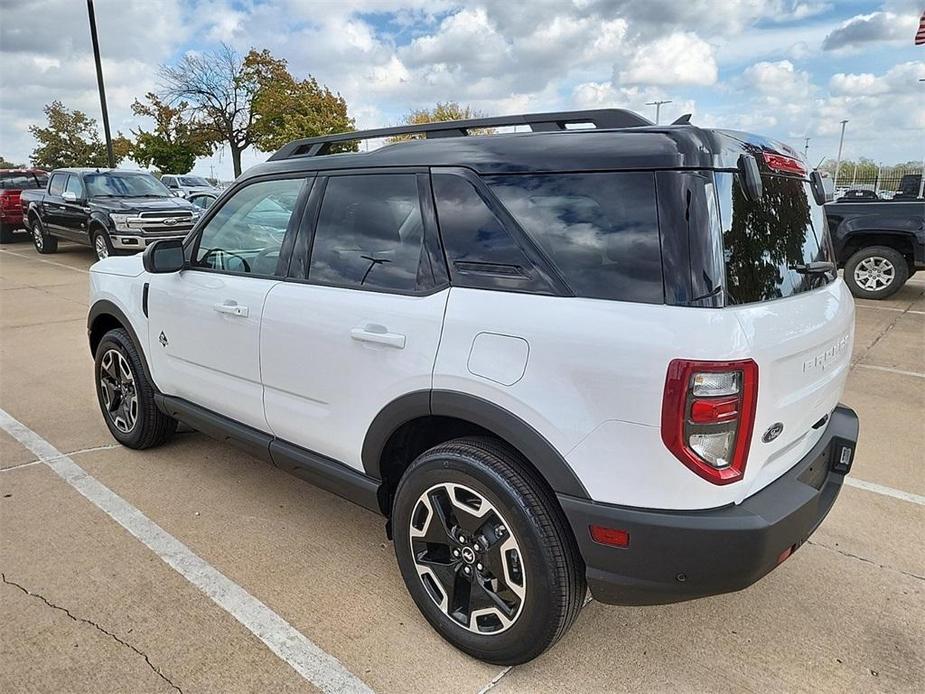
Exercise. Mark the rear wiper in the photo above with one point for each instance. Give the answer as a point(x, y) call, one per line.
point(819, 267)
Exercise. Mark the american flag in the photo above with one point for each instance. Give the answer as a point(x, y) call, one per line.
point(920, 34)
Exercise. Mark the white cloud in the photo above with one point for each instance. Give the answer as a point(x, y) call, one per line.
point(876, 27)
point(681, 58)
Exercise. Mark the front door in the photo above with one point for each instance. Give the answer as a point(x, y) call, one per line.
point(359, 324)
point(204, 322)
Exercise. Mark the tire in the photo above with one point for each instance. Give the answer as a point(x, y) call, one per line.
point(6, 233)
point(126, 396)
point(876, 272)
point(43, 241)
point(530, 561)
point(102, 245)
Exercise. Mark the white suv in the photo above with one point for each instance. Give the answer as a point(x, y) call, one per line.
point(607, 357)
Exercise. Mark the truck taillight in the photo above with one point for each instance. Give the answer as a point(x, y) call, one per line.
point(708, 413)
point(7, 199)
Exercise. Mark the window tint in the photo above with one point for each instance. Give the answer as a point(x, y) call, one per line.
point(10, 180)
point(246, 234)
point(599, 229)
point(370, 233)
point(57, 184)
point(74, 186)
point(765, 240)
point(479, 248)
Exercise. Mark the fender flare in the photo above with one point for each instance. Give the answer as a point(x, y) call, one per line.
point(104, 307)
point(475, 410)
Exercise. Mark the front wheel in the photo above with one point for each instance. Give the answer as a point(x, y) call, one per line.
point(43, 241)
point(485, 551)
point(126, 396)
point(102, 245)
point(876, 272)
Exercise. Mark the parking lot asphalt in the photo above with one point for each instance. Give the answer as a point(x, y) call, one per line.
point(87, 605)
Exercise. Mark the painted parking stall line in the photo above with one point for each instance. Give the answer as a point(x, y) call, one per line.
point(321, 669)
point(885, 491)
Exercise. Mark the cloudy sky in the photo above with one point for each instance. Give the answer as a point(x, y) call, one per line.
point(786, 68)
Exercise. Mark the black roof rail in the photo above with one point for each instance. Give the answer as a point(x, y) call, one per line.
point(604, 118)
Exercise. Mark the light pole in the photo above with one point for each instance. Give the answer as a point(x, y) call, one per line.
point(841, 141)
point(658, 107)
point(99, 79)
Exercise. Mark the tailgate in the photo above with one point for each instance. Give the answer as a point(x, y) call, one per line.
point(802, 345)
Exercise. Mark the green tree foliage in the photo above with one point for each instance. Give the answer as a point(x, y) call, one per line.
point(72, 139)
point(443, 111)
point(251, 101)
point(288, 109)
point(4, 164)
point(176, 140)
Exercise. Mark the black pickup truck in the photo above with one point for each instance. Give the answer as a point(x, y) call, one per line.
point(879, 244)
point(111, 210)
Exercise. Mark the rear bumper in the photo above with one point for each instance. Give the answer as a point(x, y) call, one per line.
point(11, 217)
point(136, 242)
point(680, 555)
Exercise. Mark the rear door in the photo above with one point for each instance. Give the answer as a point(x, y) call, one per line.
point(204, 322)
point(359, 322)
point(800, 327)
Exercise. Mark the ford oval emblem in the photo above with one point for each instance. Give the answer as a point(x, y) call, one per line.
point(773, 432)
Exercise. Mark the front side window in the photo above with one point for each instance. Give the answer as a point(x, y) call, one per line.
point(246, 234)
point(599, 229)
point(370, 233)
point(767, 242)
point(74, 186)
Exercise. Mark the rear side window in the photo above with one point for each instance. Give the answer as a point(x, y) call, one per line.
point(57, 184)
point(370, 233)
point(599, 229)
point(480, 250)
point(765, 242)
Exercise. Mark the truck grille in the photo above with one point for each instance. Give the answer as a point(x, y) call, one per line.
point(165, 222)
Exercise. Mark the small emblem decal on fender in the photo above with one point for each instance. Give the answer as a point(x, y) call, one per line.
point(773, 432)
point(162, 338)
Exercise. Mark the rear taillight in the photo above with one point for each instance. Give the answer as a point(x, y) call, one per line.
point(8, 199)
point(708, 413)
point(778, 162)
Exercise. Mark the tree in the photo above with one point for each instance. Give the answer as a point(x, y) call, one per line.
point(288, 109)
point(230, 96)
point(443, 111)
point(4, 164)
point(177, 138)
point(71, 139)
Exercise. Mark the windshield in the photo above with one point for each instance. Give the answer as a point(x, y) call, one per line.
point(767, 242)
point(125, 185)
point(197, 181)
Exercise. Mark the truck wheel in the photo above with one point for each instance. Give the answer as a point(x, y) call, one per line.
point(486, 552)
point(102, 245)
point(876, 272)
point(126, 396)
point(44, 242)
point(6, 233)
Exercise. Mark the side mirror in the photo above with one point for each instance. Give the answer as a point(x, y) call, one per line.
point(750, 177)
point(164, 256)
point(69, 196)
point(823, 187)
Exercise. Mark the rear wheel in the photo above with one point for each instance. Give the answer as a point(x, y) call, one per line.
point(44, 242)
point(126, 396)
point(486, 552)
point(6, 233)
point(876, 272)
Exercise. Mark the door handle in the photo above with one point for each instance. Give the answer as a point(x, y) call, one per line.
point(378, 334)
point(232, 309)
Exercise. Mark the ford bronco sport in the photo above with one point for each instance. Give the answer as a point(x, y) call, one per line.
point(605, 357)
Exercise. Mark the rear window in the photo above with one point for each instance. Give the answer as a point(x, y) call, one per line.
point(599, 229)
point(20, 181)
point(765, 241)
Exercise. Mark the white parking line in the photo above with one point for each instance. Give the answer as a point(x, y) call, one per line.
point(891, 370)
point(886, 491)
point(42, 260)
point(319, 668)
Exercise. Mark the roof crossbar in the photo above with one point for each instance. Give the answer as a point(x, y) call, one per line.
point(605, 118)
